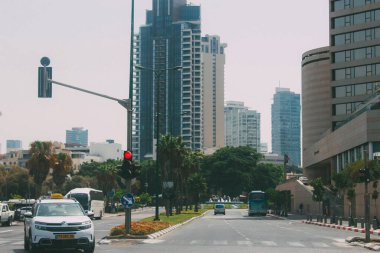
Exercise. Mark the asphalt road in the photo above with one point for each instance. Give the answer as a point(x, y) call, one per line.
point(236, 232)
point(233, 232)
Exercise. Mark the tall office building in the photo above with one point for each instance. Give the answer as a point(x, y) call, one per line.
point(286, 129)
point(352, 70)
point(14, 145)
point(241, 125)
point(77, 136)
point(213, 60)
point(170, 37)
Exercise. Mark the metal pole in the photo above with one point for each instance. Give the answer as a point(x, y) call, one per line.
point(128, 213)
point(366, 199)
point(157, 76)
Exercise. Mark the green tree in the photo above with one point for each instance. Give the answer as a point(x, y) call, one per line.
point(61, 168)
point(230, 170)
point(40, 162)
point(318, 191)
point(197, 186)
point(266, 176)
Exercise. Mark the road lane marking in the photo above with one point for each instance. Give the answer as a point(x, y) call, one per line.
point(18, 243)
point(320, 245)
point(220, 242)
point(247, 243)
point(296, 244)
point(4, 242)
point(195, 242)
point(269, 243)
point(5, 231)
point(342, 244)
point(152, 241)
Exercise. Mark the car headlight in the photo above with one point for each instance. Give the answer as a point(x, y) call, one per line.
point(86, 225)
point(40, 225)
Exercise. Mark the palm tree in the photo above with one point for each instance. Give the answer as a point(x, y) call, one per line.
point(62, 167)
point(197, 186)
point(39, 162)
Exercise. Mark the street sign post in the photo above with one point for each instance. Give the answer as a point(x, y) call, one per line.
point(127, 200)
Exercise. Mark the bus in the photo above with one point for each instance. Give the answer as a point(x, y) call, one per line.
point(90, 199)
point(257, 203)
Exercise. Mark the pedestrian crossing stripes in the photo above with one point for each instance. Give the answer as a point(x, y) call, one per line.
point(248, 243)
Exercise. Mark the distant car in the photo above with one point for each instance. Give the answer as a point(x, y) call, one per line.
point(304, 180)
point(219, 208)
point(19, 213)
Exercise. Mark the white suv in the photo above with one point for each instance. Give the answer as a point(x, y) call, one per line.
point(58, 224)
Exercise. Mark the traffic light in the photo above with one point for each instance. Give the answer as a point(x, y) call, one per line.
point(129, 169)
point(364, 175)
point(45, 73)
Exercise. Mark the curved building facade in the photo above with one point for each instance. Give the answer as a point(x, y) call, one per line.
point(316, 94)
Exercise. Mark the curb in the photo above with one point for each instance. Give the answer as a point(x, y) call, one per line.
point(353, 229)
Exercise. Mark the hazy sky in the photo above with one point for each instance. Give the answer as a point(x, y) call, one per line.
point(87, 42)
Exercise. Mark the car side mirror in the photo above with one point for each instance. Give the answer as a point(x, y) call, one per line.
point(28, 215)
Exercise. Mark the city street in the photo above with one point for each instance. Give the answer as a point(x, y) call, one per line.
point(234, 232)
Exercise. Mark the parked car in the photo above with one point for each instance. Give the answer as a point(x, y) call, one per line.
point(6, 215)
point(219, 208)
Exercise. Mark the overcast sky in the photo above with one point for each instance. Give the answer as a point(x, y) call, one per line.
point(87, 42)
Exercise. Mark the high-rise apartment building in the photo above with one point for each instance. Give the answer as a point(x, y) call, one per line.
point(170, 37)
point(347, 74)
point(14, 145)
point(77, 136)
point(241, 125)
point(286, 129)
point(213, 60)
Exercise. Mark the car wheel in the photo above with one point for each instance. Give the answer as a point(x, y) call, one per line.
point(91, 248)
point(31, 246)
point(9, 222)
point(26, 243)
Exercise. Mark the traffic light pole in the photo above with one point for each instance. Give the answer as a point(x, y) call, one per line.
point(366, 199)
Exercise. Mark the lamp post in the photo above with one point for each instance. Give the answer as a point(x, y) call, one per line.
point(157, 75)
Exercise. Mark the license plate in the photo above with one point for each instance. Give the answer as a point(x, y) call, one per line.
point(64, 237)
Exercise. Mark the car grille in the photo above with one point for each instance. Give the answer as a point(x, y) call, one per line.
point(64, 229)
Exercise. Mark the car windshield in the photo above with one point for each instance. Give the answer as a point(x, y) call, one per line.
point(219, 206)
point(59, 209)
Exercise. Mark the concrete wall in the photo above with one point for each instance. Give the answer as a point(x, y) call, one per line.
point(300, 194)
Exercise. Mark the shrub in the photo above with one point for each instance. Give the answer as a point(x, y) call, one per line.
point(140, 228)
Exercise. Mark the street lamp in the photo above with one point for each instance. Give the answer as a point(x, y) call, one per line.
point(157, 75)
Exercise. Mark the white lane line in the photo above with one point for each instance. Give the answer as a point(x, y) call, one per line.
point(5, 231)
point(195, 242)
point(18, 243)
point(269, 243)
point(320, 245)
point(4, 242)
point(296, 244)
point(220, 242)
point(247, 243)
point(342, 244)
point(152, 241)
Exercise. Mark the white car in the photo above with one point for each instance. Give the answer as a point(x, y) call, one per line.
point(58, 224)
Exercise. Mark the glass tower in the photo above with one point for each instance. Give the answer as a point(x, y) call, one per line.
point(170, 37)
point(77, 136)
point(286, 130)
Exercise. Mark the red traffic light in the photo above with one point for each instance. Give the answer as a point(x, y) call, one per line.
point(128, 155)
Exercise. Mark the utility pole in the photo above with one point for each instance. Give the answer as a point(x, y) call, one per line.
point(366, 197)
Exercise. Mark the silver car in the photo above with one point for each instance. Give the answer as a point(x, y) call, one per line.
point(219, 208)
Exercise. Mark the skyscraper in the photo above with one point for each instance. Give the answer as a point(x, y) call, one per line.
point(213, 60)
point(170, 37)
point(77, 136)
point(241, 125)
point(341, 83)
point(286, 130)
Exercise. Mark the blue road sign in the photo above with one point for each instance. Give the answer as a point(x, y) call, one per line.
point(127, 200)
